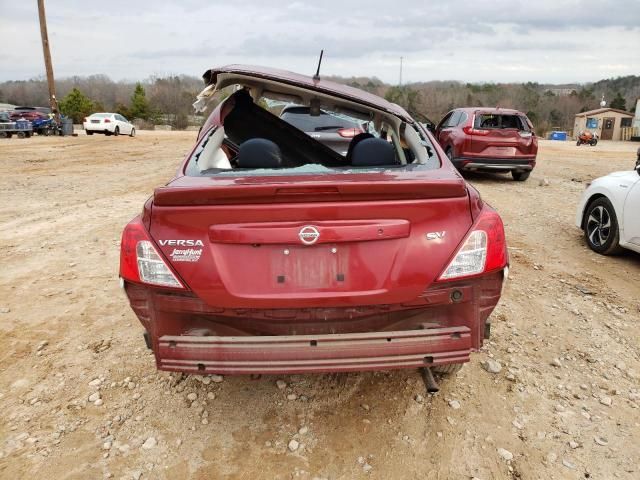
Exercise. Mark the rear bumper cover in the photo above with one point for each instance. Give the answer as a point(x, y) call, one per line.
point(442, 326)
point(495, 164)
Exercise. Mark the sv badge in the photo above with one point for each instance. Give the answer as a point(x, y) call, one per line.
point(436, 235)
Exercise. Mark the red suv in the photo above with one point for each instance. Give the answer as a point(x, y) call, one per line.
point(489, 139)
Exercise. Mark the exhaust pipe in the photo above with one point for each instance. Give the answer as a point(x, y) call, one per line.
point(429, 381)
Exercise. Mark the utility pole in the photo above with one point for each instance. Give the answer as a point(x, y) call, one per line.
point(400, 83)
point(47, 61)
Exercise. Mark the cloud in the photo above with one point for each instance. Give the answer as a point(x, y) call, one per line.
point(549, 41)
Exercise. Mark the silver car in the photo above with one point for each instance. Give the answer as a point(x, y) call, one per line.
point(331, 130)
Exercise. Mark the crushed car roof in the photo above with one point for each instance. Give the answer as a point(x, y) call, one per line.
point(309, 83)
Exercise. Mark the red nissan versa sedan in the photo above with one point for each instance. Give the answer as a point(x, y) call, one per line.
point(269, 252)
point(489, 139)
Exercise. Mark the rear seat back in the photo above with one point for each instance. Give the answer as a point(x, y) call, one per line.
point(373, 152)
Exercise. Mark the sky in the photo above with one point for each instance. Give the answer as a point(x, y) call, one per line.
point(545, 41)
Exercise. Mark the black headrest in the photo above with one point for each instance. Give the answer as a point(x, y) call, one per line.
point(356, 140)
point(373, 152)
point(259, 153)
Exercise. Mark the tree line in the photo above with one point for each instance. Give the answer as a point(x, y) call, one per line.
point(168, 99)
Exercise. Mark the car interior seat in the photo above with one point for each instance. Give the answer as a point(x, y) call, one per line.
point(490, 122)
point(259, 153)
point(354, 141)
point(373, 152)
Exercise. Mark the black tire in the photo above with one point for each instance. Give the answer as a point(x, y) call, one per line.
point(89, 132)
point(116, 132)
point(3, 135)
point(20, 135)
point(133, 132)
point(578, 143)
point(594, 142)
point(9, 134)
point(520, 176)
point(28, 134)
point(449, 369)
point(601, 227)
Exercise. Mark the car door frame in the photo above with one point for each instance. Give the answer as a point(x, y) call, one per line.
point(445, 131)
point(125, 126)
point(630, 219)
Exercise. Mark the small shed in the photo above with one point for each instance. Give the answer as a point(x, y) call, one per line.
point(606, 122)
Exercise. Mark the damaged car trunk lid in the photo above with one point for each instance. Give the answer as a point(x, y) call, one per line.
point(359, 239)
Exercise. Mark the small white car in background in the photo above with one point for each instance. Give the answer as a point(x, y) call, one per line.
point(109, 124)
point(609, 212)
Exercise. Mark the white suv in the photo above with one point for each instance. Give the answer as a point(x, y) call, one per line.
point(109, 124)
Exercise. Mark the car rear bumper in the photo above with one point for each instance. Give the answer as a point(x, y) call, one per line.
point(98, 127)
point(442, 326)
point(495, 164)
point(314, 353)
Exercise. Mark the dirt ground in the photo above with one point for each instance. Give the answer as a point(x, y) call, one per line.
point(564, 405)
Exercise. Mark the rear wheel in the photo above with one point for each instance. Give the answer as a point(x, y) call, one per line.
point(133, 132)
point(578, 143)
point(601, 227)
point(3, 135)
point(594, 142)
point(116, 132)
point(520, 176)
point(89, 132)
point(20, 135)
point(449, 369)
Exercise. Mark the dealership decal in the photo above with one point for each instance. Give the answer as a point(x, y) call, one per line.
point(186, 254)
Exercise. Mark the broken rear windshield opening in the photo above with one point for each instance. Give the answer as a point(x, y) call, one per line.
point(255, 141)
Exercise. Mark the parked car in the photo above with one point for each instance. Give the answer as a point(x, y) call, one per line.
point(109, 124)
point(489, 139)
point(270, 253)
point(608, 212)
point(29, 113)
point(329, 129)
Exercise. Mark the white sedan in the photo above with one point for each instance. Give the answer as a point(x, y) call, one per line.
point(609, 212)
point(109, 124)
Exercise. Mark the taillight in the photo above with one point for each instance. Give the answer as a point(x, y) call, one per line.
point(483, 250)
point(106, 120)
point(140, 261)
point(349, 132)
point(475, 131)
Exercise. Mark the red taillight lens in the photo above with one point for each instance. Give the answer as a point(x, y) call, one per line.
point(475, 131)
point(106, 120)
point(140, 262)
point(483, 250)
point(349, 132)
